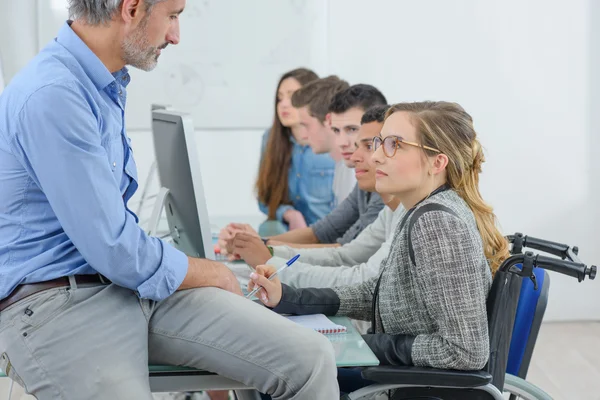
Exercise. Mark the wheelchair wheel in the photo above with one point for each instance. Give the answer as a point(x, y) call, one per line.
point(521, 389)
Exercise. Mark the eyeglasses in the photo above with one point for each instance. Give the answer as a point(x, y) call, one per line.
point(392, 143)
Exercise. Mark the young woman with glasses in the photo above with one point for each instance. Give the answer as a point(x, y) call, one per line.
point(428, 305)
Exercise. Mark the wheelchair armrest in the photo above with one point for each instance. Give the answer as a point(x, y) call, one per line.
point(426, 376)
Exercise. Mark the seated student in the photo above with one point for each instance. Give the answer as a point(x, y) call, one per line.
point(363, 204)
point(352, 263)
point(428, 305)
point(291, 176)
point(312, 102)
point(361, 208)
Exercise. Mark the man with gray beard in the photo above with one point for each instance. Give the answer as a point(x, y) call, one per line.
point(87, 299)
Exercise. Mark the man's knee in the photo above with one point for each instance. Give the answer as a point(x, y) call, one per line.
point(320, 356)
point(326, 350)
point(316, 371)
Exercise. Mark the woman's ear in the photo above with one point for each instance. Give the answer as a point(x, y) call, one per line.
point(439, 164)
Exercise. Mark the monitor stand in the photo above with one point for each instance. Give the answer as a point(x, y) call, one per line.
point(159, 205)
point(177, 235)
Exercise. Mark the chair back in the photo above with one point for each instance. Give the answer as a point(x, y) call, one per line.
point(501, 309)
point(528, 319)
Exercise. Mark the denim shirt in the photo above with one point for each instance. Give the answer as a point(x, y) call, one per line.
point(67, 172)
point(310, 183)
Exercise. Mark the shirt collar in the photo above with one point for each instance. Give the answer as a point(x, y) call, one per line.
point(91, 64)
point(295, 142)
point(122, 76)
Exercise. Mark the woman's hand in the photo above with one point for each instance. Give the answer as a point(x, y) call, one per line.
point(295, 219)
point(271, 292)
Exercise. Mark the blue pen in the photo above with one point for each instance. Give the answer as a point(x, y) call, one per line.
point(287, 264)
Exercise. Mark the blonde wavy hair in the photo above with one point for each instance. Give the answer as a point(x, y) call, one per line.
point(449, 128)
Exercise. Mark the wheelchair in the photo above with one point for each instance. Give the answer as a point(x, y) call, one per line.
point(515, 295)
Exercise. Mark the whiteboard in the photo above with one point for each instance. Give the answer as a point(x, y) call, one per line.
point(225, 70)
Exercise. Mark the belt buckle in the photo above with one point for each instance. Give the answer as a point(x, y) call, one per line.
point(103, 280)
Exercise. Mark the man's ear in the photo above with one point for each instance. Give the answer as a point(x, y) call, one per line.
point(327, 121)
point(132, 10)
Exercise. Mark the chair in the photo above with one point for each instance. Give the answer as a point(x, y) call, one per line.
point(503, 321)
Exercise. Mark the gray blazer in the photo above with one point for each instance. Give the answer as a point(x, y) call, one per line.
point(440, 299)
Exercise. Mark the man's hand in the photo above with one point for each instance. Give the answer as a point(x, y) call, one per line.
point(295, 219)
point(227, 280)
point(207, 273)
point(251, 249)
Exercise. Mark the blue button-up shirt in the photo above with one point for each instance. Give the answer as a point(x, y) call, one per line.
point(66, 174)
point(310, 183)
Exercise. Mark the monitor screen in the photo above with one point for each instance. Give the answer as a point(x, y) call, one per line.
point(179, 172)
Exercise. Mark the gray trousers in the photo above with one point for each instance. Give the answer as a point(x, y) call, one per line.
point(95, 342)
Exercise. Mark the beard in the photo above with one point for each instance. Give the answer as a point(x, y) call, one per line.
point(137, 50)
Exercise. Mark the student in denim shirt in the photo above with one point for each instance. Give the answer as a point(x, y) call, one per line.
point(294, 184)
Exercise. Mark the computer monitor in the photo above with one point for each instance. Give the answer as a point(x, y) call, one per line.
point(182, 192)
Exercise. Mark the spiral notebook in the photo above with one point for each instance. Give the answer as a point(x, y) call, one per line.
point(317, 322)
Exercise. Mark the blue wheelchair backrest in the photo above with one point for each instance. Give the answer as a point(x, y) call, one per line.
point(529, 304)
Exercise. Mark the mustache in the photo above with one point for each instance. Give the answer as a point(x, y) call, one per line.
point(164, 46)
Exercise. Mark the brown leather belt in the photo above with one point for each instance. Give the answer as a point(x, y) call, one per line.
point(23, 291)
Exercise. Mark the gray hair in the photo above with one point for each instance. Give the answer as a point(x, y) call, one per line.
point(97, 12)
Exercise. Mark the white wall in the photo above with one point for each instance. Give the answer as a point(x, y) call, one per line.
point(229, 162)
point(18, 35)
point(524, 70)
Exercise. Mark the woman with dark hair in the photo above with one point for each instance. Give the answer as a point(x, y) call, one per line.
point(294, 185)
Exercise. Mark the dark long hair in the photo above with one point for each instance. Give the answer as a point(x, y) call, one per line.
point(272, 182)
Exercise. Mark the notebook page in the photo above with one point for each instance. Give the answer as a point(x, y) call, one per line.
point(317, 322)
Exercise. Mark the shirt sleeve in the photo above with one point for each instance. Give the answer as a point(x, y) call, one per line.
point(365, 219)
point(356, 301)
point(320, 275)
point(358, 251)
point(338, 221)
point(59, 144)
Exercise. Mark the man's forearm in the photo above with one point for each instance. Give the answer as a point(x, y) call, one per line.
point(301, 236)
point(201, 273)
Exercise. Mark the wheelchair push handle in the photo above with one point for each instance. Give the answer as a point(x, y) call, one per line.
point(529, 261)
point(570, 268)
point(561, 250)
